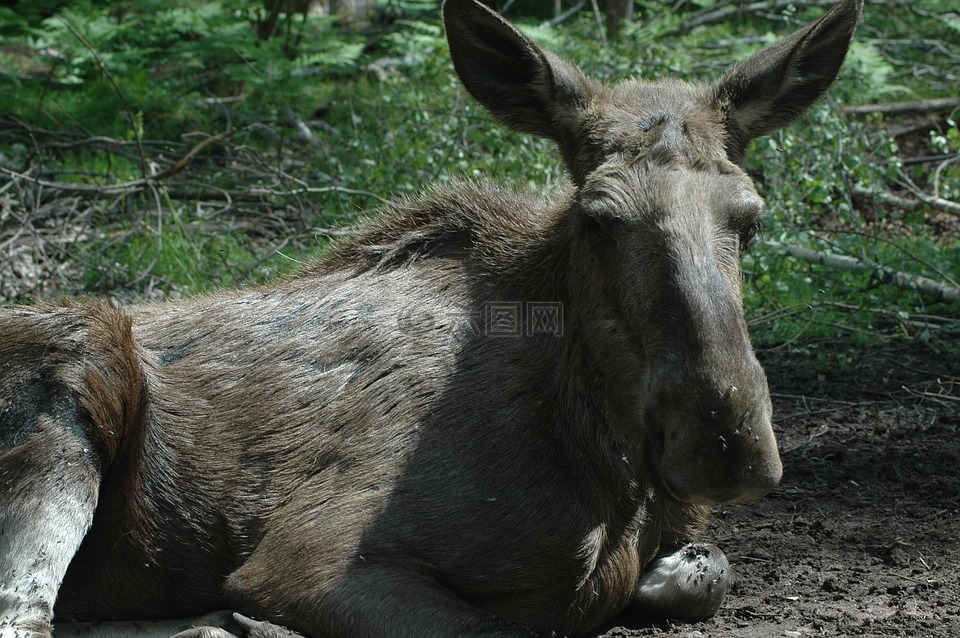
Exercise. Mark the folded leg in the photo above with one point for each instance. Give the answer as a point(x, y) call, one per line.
point(69, 380)
point(48, 493)
point(364, 599)
point(218, 624)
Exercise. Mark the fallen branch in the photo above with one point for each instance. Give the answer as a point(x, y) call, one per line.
point(345, 231)
point(907, 204)
point(273, 192)
point(886, 274)
point(721, 14)
point(945, 205)
point(123, 187)
point(936, 397)
point(906, 320)
point(75, 189)
point(912, 127)
point(905, 108)
point(565, 15)
point(187, 159)
point(903, 203)
point(930, 159)
point(935, 201)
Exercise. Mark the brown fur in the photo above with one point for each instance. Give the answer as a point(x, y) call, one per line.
point(347, 452)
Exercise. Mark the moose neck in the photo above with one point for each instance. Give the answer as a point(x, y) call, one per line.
point(600, 352)
point(584, 364)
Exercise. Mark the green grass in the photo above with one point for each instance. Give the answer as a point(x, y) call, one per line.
point(390, 118)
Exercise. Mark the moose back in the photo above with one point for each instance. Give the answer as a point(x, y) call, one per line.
point(489, 414)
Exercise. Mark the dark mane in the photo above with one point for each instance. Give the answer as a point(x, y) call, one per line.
point(484, 225)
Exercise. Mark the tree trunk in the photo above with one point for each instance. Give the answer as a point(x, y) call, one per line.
point(619, 12)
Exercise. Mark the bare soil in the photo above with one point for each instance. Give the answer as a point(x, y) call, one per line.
point(863, 536)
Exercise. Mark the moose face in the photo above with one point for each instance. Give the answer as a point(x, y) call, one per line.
point(664, 211)
point(666, 218)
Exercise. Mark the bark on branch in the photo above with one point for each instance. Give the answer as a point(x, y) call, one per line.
point(723, 13)
point(125, 187)
point(905, 108)
point(886, 274)
point(905, 203)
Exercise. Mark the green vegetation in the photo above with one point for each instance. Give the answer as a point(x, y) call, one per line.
point(255, 148)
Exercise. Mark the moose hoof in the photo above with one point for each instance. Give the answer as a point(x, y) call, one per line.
point(687, 584)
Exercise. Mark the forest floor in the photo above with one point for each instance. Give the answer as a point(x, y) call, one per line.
point(862, 538)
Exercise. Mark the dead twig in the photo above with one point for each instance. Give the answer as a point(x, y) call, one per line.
point(271, 192)
point(908, 321)
point(345, 231)
point(187, 159)
point(565, 15)
point(597, 16)
point(946, 400)
point(123, 98)
point(934, 201)
point(716, 15)
point(943, 158)
point(122, 188)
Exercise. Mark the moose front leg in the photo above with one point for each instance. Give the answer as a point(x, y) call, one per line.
point(686, 584)
point(219, 624)
point(48, 492)
point(365, 599)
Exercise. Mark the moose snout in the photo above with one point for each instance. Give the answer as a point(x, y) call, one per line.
point(719, 448)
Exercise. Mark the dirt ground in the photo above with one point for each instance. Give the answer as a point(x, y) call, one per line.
point(863, 536)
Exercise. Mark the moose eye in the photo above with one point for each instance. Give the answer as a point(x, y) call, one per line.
point(598, 214)
point(748, 234)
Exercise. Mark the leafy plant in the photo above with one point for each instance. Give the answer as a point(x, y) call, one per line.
point(305, 132)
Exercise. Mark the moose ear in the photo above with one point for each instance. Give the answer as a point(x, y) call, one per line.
point(526, 88)
point(774, 86)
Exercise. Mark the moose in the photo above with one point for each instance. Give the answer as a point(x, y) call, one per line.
point(488, 413)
